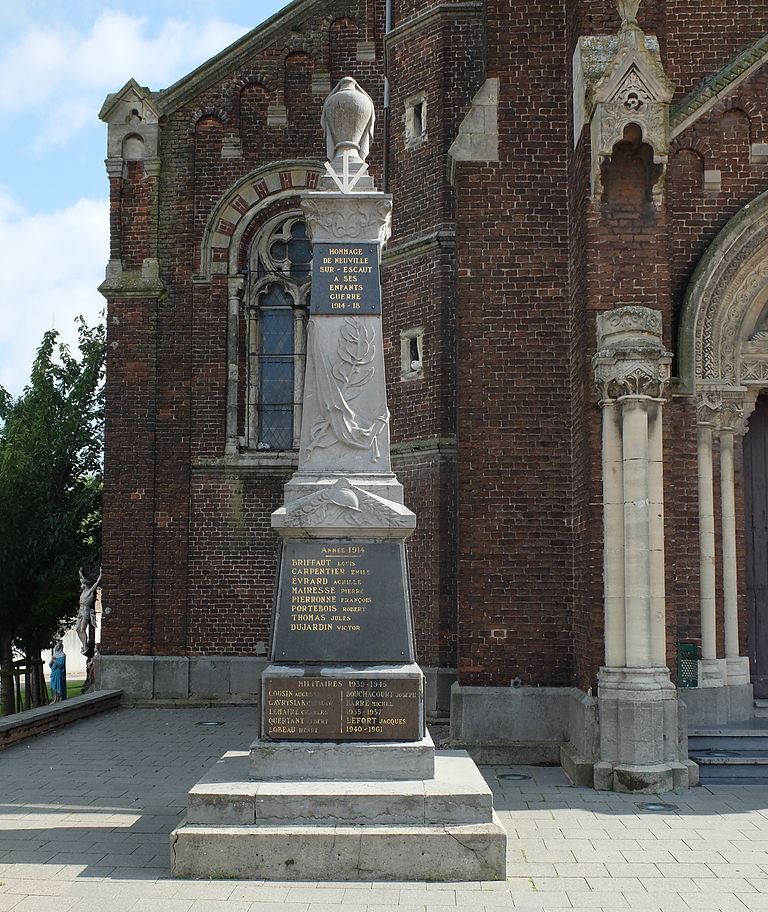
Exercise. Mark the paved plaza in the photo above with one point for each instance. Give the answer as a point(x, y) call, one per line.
point(85, 814)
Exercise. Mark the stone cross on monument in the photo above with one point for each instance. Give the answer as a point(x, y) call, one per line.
point(342, 782)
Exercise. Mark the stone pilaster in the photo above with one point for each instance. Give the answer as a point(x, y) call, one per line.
point(639, 749)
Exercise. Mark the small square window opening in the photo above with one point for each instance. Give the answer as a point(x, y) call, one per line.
point(412, 353)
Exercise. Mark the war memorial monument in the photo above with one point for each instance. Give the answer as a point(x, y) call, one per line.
point(343, 782)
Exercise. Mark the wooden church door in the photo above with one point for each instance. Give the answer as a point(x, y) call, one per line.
point(756, 535)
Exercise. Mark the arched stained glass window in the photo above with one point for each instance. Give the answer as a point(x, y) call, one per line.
point(278, 293)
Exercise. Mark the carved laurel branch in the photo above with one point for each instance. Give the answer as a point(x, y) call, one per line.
point(356, 352)
point(340, 384)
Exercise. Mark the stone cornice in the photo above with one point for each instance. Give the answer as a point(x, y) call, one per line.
point(442, 446)
point(464, 9)
point(443, 238)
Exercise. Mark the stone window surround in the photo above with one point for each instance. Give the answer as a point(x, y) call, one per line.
point(407, 369)
point(219, 255)
point(299, 292)
point(415, 137)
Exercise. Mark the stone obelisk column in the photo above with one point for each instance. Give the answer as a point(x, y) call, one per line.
point(342, 642)
point(639, 748)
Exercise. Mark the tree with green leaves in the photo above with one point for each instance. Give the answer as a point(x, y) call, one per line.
point(51, 445)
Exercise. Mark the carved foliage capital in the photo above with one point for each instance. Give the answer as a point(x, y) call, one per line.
point(333, 217)
point(722, 410)
point(626, 376)
point(631, 359)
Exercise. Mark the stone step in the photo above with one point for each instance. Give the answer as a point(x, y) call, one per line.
point(468, 852)
point(731, 738)
point(350, 760)
point(226, 796)
point(732, 767)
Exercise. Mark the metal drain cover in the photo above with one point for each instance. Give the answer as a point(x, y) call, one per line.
point(209, 723)
point(513, 777)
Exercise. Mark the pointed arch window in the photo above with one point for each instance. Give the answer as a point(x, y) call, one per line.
point(277, 309)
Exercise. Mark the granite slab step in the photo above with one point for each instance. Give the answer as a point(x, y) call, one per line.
point(457, 794)
point(469, 852)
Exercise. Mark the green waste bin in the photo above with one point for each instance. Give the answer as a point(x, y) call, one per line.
point(687, 665)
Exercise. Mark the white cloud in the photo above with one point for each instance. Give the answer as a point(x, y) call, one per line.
point(64, 71)
point(50, 267)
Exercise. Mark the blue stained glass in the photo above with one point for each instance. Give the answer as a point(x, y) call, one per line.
point(276, 381)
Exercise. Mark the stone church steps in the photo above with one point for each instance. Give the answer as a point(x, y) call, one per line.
point(732, 755)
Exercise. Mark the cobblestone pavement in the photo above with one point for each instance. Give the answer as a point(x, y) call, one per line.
point(85, 814)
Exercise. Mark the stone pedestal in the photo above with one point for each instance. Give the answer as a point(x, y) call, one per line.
point(442, 827)
point(342, 782)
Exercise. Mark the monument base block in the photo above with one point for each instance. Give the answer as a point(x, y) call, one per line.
point(352, 760)
point(437, 828)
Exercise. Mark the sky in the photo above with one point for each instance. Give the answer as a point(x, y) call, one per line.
point(58, 61)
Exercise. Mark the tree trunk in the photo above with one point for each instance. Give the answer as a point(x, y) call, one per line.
point(38, 693)
point(6, 676)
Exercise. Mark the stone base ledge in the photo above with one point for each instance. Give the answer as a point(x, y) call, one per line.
point(708, 706)
point(20, 726)
point(640, 779)
point(502, 753)
point(469, 852)
point(514, 724)
point(579, 769)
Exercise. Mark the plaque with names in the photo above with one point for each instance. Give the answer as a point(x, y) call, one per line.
point(342, 601)
point(345, 280)
point(315, 708)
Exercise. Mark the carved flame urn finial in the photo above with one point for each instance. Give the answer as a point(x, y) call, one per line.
point(628, 11)
point(347, 119)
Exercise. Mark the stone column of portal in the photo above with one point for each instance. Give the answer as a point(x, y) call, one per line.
point(656, 536)
point(710, 672)
point(639, 749)
point(731, 423)
point(613, 540)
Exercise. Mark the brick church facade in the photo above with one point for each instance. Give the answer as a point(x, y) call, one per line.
point(575, 342)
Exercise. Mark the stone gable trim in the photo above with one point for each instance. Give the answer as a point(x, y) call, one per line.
point(147, 96)
point(467, 9)
point(705, 96)
point(444, 238)
point(238, 53)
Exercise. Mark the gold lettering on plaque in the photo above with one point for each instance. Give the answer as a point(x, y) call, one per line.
point(328, 593)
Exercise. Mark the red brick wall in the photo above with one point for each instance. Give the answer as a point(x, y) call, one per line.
point(506, 562)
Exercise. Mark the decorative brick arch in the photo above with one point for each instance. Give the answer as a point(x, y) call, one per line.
point(233, 213)
point(723, 344)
